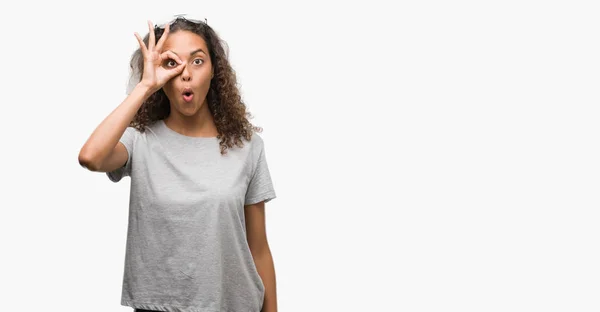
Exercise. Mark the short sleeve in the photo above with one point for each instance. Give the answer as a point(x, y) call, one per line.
point(260, 187)
point(128, 139)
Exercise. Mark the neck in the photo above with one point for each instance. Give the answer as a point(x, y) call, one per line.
point(200, 124)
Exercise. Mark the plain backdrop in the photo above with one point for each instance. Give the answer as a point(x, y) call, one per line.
point(427, 155)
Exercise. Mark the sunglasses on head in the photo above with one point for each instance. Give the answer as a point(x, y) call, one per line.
point(180, 17)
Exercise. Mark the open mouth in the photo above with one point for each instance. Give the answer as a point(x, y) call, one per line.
point(188, 94)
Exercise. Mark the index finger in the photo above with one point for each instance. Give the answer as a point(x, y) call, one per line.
point(162, 38)
point(173, 56)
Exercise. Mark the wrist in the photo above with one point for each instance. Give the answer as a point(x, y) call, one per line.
point(145, 89)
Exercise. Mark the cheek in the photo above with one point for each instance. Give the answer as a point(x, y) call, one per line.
point(205, 73)
point(168, 88)
point(206, 77)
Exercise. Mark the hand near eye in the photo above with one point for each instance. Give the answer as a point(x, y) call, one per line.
point(155, 75)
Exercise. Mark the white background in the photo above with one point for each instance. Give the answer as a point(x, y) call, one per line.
point(427, 155)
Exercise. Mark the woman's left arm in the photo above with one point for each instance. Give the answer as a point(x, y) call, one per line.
point(256, 235)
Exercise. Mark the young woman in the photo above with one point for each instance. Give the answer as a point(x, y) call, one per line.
point(196, 238)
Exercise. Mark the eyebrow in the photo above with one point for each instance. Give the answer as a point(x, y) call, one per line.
point(191, 53)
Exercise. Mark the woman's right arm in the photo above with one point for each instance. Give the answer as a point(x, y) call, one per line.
point(102, 151)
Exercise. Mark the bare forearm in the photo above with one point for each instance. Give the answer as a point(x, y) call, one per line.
point(107, 134)
point(266, 270)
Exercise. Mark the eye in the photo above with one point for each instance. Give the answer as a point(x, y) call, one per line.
point(170, 63)
point(197, 61)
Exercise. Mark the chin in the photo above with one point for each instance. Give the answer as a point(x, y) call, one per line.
point(189, 109)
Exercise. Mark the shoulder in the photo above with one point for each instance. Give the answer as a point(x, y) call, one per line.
point(129, 137)
point(255, 145)
point(132, 136)
point(256, 139)
point(152, 128)
point(250, 150)
point(133, 131)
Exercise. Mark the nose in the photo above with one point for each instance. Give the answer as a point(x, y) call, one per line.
point(185, 74)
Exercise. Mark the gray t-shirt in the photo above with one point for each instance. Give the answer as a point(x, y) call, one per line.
point(186, 239)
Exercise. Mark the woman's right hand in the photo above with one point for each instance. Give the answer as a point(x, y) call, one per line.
point(155, 73)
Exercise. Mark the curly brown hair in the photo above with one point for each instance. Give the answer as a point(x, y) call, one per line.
point(224, 100)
